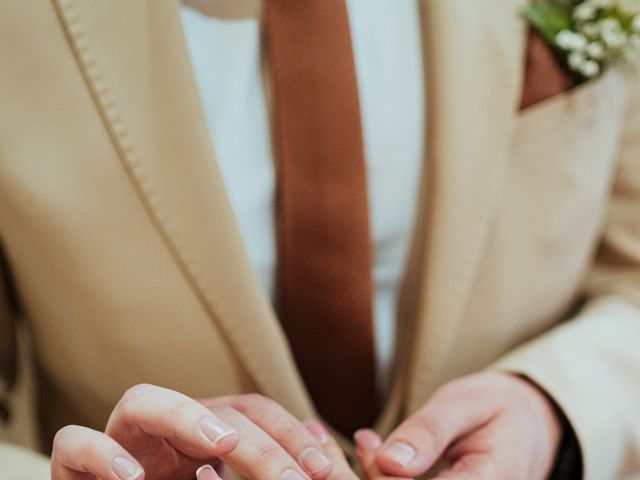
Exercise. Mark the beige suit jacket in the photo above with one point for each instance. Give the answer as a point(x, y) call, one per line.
point(129, 267)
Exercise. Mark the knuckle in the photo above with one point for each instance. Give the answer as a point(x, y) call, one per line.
point(223, 400)
point(182, 409)
point(138, 390)
point(268, 454)
point(72, 440)
point(255, 398)
point(450, 389)
point(427, 429)
point(63, 435)
point(128, 409)
point(224, 411)
point(289, 434)
point(88, 449)
point(134, 394)
point(259, 403)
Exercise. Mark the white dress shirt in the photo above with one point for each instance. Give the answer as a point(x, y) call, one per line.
point(226, 57)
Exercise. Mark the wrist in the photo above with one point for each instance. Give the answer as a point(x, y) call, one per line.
point(567, 462)
point(547, 411)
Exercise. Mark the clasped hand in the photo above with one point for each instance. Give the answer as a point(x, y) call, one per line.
point(485, 426)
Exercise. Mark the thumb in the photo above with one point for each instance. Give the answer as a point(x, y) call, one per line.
point(416, 445)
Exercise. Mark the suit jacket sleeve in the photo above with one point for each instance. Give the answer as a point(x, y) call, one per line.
point(591, 364)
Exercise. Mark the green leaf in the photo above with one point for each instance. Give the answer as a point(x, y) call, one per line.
point(549, 19)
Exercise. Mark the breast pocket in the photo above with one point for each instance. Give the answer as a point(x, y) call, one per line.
point(564, 152)
point(549, 221)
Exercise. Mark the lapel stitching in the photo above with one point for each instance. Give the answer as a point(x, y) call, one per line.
point(272, 379)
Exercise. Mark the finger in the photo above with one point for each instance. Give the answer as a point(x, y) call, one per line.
point(368, 443)
point(285, 429)
point(147, 410)
point(413, 448)
point(78, 451)
point(257, 456)
point(341, 468)
point(318, 431)
point(207, 472)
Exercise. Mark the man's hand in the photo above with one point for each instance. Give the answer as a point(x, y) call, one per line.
point(161, 434)
point(484, 426)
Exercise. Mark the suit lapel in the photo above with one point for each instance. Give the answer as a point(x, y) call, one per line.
point(142, 83)
point(136, 64)
point(474, 65)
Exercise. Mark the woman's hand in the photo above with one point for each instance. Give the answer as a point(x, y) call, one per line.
point(161, 434)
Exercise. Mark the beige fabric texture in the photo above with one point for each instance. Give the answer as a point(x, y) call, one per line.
point(130, 268)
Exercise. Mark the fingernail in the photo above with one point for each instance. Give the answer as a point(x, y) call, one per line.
point(206, 472)
point(400, 452)
point(291, 474)
point(125, 469)
point(318, 431)
point(313, 460)
point(215, 430)
point(367, 439)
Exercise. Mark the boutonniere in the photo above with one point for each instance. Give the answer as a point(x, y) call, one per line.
point(589, 36)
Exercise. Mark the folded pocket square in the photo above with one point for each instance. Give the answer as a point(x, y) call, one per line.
point(545, 76)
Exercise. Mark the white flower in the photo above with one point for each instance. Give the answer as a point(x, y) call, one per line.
point(575, 60)
point(564, 39)
point(604, 32)
point(568, 40)
point(614, 40)
point(612, 33)
point(590, 29)
point(595, 50)
point(610, 25)
point(580, 41)
point(585, 11)
point(589, 68)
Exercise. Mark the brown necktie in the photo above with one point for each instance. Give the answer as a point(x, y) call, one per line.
point(324, 248)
